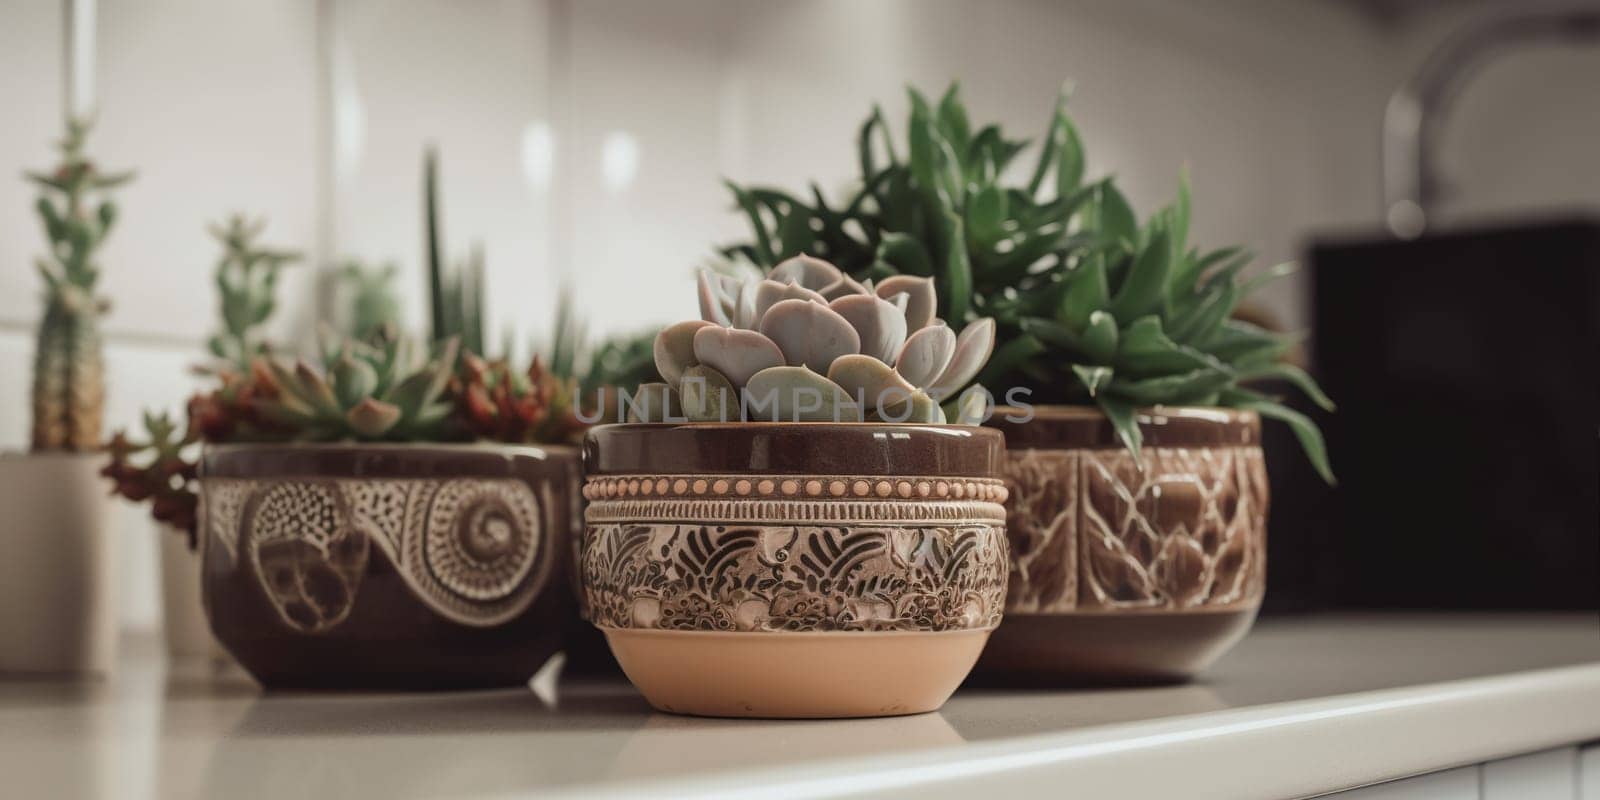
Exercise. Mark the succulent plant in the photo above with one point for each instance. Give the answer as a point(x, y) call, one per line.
point(498, 403)
point(247, 280)
point(158, 469)
point(809, 343)
point(378, 391)
point(68, 368)
point(1090, 306)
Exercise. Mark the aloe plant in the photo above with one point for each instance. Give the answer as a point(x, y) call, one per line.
point(1091, 306)
point(807, 343)
point(68, 366)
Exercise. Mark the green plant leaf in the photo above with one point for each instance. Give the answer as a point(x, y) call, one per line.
point(1245, 345)
point(1007, 268)
point(1294, 376)
point(1180, 389)
point(435, 249)
point(953, 124)
point(1198, 325)
point(1125, 421)
point(1070, 162)
point(864, 142)
point(1180, 215)
point(986, 217)
point(1304, 429)
point(1008, 356)
point(1062, 152)
point(1100, 338)
point(989, 154)
point(1052, 333)
point(956, 295)
point(1144, 350)
point(763, 250)
point(1087, 292)
point(1146, 284)
point(1187, 276)
point(794, 232)
point(1093, 378)
point(1108, 213)
point(1267, 276)
point(932, 161)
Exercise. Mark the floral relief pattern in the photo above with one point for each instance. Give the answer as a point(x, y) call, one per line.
point(794, 578)
point(469, 549)
point(1186, 532)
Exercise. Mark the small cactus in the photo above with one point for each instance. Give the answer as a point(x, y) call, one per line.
point(371, 303)
point(808, 343)
point(247, 280)
point(68, 367)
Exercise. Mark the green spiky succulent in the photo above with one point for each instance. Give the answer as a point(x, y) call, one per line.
point(68, 367)
point(247, 280)
point(378, 391)
point(1091, 306)
point(455, 295)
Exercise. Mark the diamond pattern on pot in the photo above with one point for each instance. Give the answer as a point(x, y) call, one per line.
point(1188, 531)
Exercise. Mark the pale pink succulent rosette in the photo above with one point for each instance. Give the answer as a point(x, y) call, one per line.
point(808, 343)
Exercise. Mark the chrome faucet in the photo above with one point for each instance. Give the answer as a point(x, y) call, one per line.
point(1414, 117)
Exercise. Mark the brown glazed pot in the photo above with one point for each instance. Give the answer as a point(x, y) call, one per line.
point(794, 569)
point(391, 566)
point(1126, 576)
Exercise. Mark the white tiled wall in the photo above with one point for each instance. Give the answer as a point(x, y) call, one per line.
point(473, 79)
point(30, 94)
point(212, 100)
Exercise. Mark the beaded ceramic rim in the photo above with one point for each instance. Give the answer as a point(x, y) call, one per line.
point(816, 487)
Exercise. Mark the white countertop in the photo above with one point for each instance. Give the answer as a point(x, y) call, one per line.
point(1302, 706)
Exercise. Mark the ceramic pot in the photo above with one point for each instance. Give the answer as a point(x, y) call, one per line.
point(794, 569)
point(387, 566)
point(58, 577)
point(1121, 574)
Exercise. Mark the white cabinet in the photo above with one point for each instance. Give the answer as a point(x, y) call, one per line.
point(1589, 773)
point(1451, 784)
point(1546, 775)
point(1561, 774)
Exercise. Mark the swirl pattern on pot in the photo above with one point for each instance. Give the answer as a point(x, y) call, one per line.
point(469, 549)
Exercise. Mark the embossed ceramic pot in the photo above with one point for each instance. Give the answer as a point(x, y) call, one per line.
point(1123, 575)
point(399, 566)
point(794, 569)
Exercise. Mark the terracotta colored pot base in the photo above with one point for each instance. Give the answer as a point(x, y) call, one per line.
point(794, 674)
point(1123, 648)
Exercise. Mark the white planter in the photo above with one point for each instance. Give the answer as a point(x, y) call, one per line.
point(183, 619)
point(57, 565)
